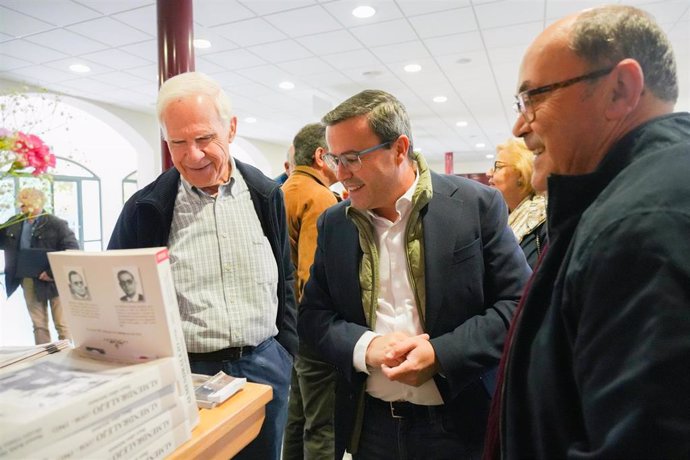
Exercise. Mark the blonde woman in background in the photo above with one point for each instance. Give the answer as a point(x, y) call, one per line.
point(511, 174)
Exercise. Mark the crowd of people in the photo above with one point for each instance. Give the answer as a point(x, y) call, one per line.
point(427, 315)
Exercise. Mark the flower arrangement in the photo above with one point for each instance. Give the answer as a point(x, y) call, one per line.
point(24, 155)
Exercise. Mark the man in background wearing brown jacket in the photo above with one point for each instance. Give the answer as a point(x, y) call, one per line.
point(309, 432)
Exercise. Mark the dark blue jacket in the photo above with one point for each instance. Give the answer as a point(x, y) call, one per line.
point(599, 366)
point(474, 275)
point(147, 216)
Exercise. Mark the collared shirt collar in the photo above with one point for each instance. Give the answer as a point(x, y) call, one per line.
point(223, 189)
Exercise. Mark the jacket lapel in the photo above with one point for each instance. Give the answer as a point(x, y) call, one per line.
point(441, 220)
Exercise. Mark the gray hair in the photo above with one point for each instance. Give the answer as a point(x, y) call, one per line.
point(306, 141)
point(193, 84)
point(386, 115)
point(609, 34)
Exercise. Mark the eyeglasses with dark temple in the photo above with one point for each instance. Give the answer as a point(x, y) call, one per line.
point(524, 105)
point(351, 160)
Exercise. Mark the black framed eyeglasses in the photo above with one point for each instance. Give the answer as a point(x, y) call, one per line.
point(351, 160)
point(523, 105)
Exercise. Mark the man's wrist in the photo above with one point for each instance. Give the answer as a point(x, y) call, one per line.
point(360, 352)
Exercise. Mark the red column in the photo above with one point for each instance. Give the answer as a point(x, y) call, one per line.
point(449, 162)
point(175, 50)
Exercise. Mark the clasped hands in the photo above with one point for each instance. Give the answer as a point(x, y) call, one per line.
point(402, 358)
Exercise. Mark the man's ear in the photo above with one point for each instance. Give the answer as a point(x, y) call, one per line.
point(318, 158)
point(627, 86)
point(232, 130)
point(402, 145)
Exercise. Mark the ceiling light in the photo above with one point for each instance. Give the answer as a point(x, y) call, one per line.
point(461, 124)
point(480, 145)
point(464, 60)
point(201, 43)
point(80, 68)
point(490, 156)
point(412, 68)
point(363, 12)
point(287, 85)
point(250, 120)
point(440, 99)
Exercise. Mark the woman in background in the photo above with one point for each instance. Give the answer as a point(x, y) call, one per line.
point(511, 174)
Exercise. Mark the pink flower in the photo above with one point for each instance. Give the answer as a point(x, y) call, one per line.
point(33, 153)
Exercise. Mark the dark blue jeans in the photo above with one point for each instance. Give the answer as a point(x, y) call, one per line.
point(435, 436)
point(270, 364)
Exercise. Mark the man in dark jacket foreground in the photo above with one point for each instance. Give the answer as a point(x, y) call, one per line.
point(414, 282)
point(597, 366)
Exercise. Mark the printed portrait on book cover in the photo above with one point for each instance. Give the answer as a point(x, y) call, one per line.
point(129, 284)
point(77, 283)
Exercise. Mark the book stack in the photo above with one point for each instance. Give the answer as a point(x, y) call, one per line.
point(64, 406)
point(13, 355)
point(125, 390)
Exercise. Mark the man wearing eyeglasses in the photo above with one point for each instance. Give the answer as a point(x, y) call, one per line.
point(414, 283)
point(597, 365)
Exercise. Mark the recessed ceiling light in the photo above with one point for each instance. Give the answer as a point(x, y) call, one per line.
point(490, 156)
point(412, 68)
point(464, 60)
point(363, 12)
point(250, 120)
point(461, 124)
point(480, 145)
point(287, 85)
point(201, 43)
point(440, 99)
point(80, 68)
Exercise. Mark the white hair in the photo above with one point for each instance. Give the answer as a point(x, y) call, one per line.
point(193, 84)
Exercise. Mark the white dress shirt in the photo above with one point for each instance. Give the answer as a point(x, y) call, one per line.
point(397, 307)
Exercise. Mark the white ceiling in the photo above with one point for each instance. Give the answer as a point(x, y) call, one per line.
point(469, 51)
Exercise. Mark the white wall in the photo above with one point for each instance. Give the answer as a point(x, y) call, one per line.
point(275, 155)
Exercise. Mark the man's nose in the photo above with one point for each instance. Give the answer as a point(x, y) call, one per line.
point(195, 151)
point(521, 127)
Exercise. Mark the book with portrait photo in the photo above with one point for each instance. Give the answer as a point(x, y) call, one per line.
point(132, 315)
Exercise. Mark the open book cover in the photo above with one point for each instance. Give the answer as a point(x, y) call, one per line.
point(122, 305)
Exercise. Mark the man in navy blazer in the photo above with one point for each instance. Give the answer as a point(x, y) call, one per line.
point(413, 286)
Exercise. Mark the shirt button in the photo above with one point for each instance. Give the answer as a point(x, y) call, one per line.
point(226, 267)
point(224, 235)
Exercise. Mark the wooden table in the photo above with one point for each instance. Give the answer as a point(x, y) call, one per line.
point(226, 429)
